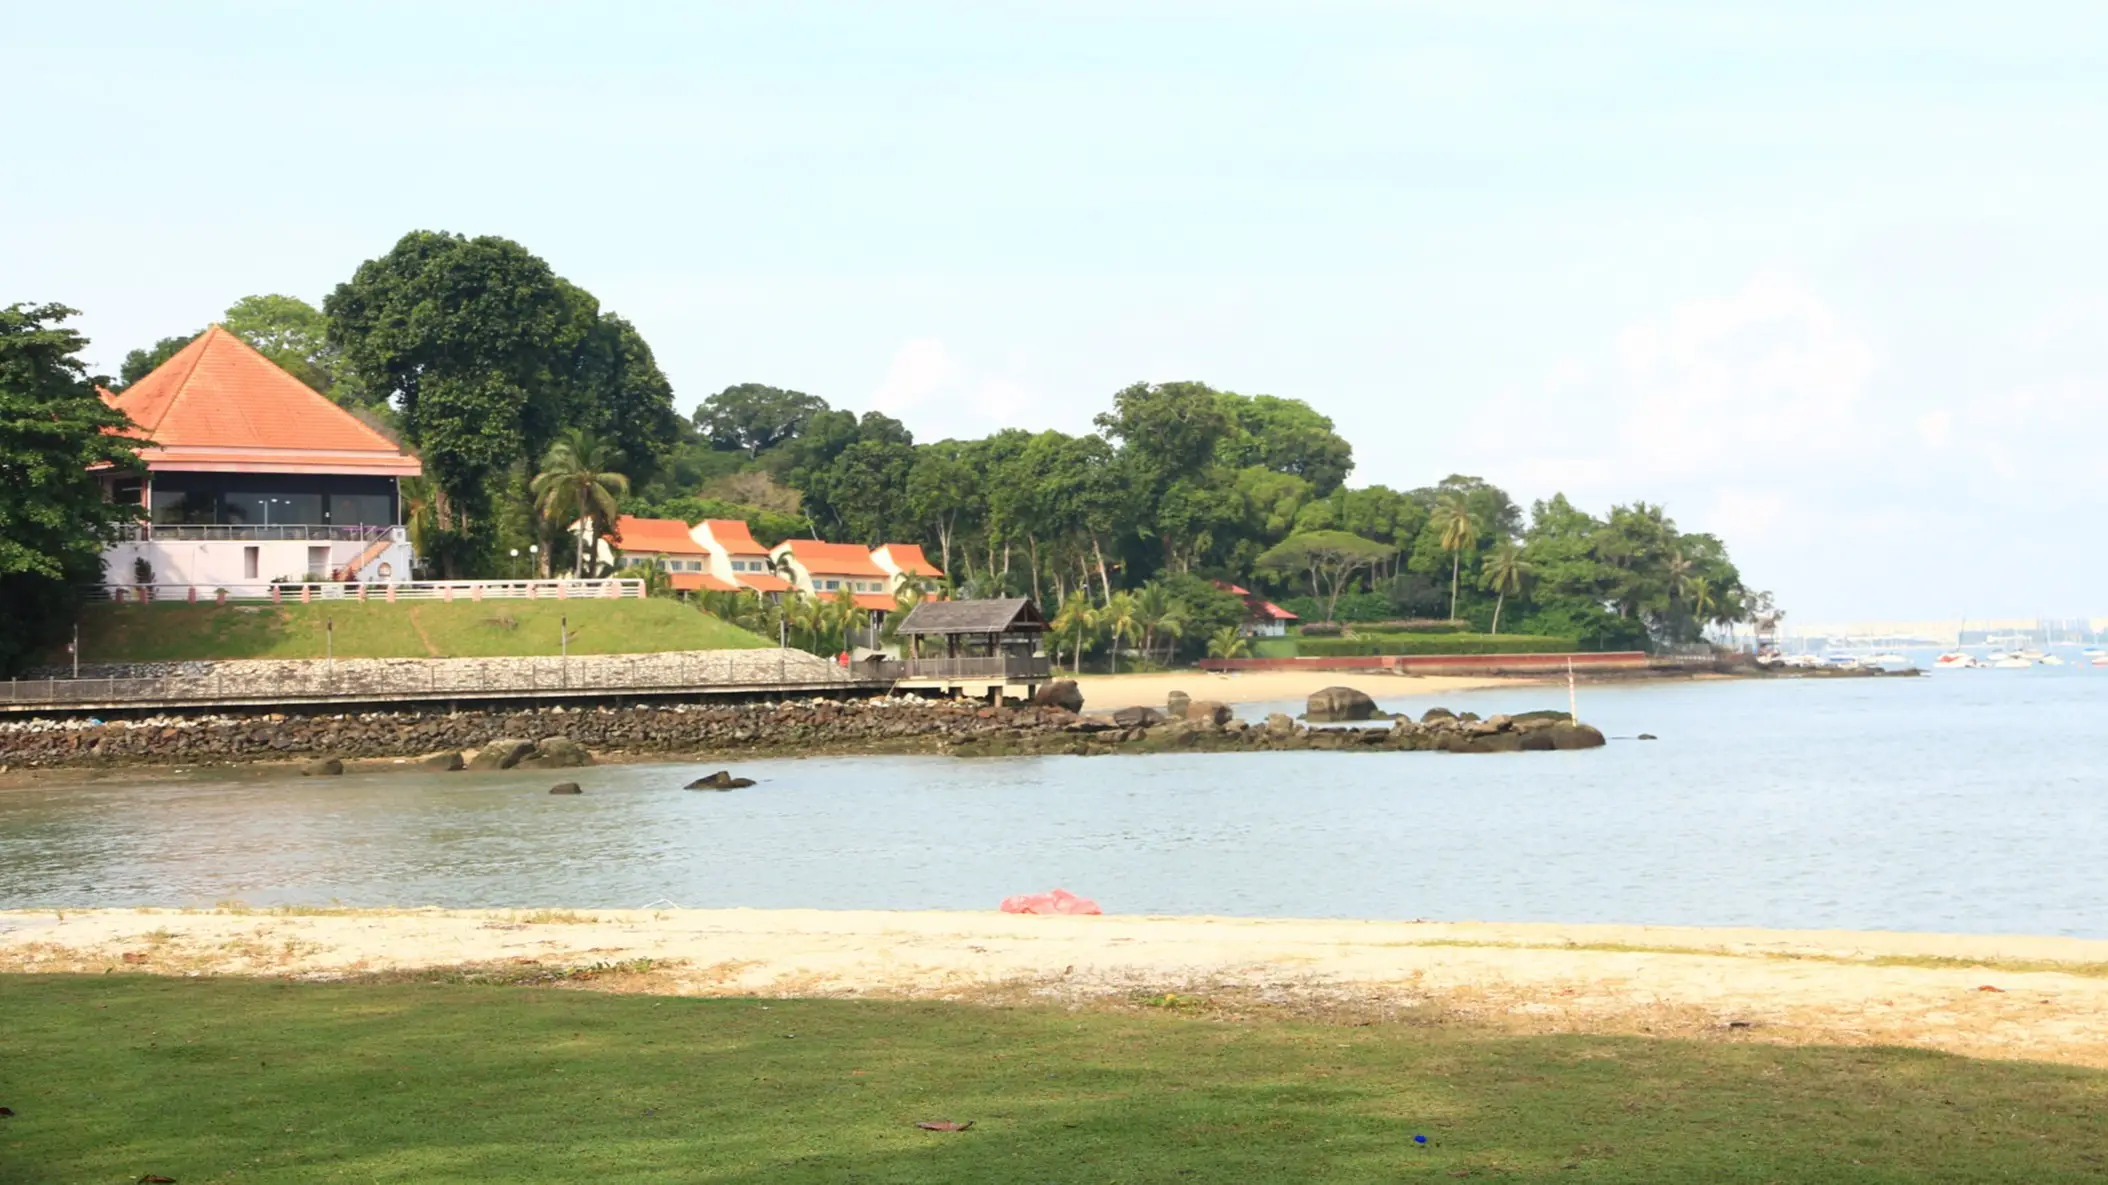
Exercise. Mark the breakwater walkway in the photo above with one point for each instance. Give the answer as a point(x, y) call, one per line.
point(306, 683)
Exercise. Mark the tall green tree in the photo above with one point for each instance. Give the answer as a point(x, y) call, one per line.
point(292, 333)
point(1286, 436)
point(54, 518)
point(754, 417)
point(580, 486)
point(1329, 558)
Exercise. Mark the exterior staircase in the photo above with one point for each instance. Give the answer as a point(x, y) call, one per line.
point(373, 552)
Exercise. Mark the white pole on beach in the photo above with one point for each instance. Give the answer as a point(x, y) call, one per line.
point(1573, 703)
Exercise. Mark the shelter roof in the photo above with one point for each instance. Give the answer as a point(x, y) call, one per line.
point(219, 405)
point(877, 602)
point(763, 581)
point(661, 536)
point(997, 615)
point(832, 559)
point(1277, 613)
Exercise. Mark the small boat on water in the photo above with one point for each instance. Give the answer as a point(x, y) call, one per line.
point(2051, 660)
point(1957, 660)
point(2009, 662)
point(1888, 659)
point(2100, 660)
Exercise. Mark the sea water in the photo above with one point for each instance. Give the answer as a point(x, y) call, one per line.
point(1968, 801)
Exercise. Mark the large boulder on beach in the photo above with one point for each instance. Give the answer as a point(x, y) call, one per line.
point(1335, 705)
point(1175, 705)
point(560, 753)
point(1280, 724)
point(1434, 714)
point(1208, 713)
point(1061, 693)
point(443, 763)
point(503, 753)
point(323, 767)
point(1138, 717)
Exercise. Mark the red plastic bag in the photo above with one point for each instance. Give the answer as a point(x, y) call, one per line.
point(1058, 901)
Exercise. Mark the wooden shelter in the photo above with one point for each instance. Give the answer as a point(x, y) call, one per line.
point(988, 641)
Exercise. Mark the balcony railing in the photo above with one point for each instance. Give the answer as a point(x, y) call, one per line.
point(250, 533)
point(409, 590)
point(985, 668)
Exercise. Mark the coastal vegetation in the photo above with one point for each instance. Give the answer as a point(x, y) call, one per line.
point(473, 1074)
point(179, 632)
point(533, 408)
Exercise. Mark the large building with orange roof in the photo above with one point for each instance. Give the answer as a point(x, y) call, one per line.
point(663, 543)
point(249, 476)
point(827, 570)
point(734, 556)
point(903, 562)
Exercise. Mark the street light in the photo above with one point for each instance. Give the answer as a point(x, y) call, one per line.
point(516, 563)
point(533, 550)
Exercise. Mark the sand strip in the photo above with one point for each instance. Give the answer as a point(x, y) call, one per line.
point(1112, 692)
point(2037, 998)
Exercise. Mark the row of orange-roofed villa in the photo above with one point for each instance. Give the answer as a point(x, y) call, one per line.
point(722, 555)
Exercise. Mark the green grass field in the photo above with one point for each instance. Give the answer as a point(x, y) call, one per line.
point(115, 1077)
point(408, 629)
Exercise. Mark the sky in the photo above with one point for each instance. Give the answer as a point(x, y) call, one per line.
point(1827, 279)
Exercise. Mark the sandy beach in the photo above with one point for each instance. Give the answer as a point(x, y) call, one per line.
point(2011, 997)
point(1112, 692)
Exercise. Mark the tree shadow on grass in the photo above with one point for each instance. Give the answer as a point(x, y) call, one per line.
point(114, 1077)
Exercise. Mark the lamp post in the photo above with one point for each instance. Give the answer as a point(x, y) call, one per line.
point(515, 563)
point(534, 550)
point(329, 640)
point(76, 649)
point(563, 642)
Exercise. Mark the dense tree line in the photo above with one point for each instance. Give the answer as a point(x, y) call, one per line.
point(531, 406)
point(54, 521)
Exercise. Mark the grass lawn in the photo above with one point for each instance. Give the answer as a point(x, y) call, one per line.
point(113, 1077)
point(421, 629)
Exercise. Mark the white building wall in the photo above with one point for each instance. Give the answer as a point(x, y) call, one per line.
point(216, 564)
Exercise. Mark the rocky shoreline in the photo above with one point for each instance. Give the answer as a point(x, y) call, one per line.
point(557, 737)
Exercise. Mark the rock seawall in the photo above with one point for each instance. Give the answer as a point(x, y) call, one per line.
point(788, 728)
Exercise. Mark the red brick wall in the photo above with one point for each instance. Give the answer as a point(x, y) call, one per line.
point(1442, 664)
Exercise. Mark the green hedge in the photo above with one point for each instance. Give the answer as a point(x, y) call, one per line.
point(1274, 647)
point(1434, 644)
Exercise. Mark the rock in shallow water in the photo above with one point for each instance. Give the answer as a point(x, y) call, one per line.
point(327, 767)
point(721, 780)
point(1337, 705)
point(566, 788)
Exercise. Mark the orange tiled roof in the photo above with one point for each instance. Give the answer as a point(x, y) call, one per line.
point(732, 534)
point(218, 404)
point(878, 601)
point(654, 536)
point(909, 559)
point(763, 582)
point(832, 559)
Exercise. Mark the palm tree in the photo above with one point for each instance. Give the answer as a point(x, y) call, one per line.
point(578, 476)
point(1702, 601)
point(1458, 530)
point(420, 512)
point(1073, 623)
point(1228, 643)
point(1505, 572)
point(1158, 614)
point(1119, 619)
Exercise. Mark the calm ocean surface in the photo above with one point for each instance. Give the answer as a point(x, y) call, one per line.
point(1965, 801)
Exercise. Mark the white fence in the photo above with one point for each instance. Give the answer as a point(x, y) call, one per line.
point(415, 590)
point(248, 533)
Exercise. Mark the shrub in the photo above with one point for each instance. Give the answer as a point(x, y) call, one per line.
point(1422, 625)
point(1408, 644)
